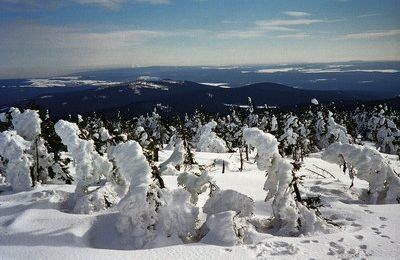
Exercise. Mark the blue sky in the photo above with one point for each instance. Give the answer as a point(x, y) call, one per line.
point(41, 37)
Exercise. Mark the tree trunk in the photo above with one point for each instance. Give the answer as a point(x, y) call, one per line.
point(241, 159)
point(296, 188)
point(223, 166)
point(155, 154)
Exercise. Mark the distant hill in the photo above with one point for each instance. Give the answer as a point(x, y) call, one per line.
point(178, 97)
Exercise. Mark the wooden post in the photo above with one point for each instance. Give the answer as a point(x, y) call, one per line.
point(223, 166)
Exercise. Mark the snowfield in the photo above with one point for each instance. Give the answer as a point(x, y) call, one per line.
point(38, 224)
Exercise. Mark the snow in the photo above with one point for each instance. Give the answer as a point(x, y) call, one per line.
point(131, 162)
point(221, 229)
point(328, 69)
point(291, 217)
point(221, 85)
point(67, 82)
point(176, 159)
point(208, 141)
point(370, 166)
point(27, 124)
point(90, 167)
point(34, 224)
point(275, 70)
point(229, 200)
point(314, 101)
point(195, 184)
point(12, 148)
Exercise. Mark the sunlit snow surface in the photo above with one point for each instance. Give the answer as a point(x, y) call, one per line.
point(67, 82)
point(36, 224)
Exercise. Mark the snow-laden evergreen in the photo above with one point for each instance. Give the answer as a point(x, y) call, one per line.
point(13, 148)
point(90, 167)
point(208, 141)
point(214, 197)
point(176, 159)
point(27, 123)
point(194, 184)
point(291, 217)
point(369, 165)
point(327, 131)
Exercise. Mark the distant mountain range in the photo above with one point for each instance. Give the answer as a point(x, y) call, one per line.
point(135, 91)
point(172, 97)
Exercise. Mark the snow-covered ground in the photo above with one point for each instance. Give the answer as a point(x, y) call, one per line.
point(37, 224)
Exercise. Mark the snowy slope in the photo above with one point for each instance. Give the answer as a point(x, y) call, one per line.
point(37, 225)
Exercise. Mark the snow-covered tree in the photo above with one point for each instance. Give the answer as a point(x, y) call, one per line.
point(13, 149)
point(294, 141)
point(90, 167)
point(327, 131)
point(384, 132)
point(148, 212)
point(28, 124)
point(291, 216)
point(208, 141)
point(195, 184)
point(369, 165)
point(174, 162)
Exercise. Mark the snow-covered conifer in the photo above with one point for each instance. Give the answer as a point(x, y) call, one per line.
point(327, 131)
point(208, 141)
point(195, 184)
point(13, 148)
point(176, 159)
point(291, 217)
point(371, 166)
point(90, 166)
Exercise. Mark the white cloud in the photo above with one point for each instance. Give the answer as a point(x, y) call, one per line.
point(370, 35)
point(296, 14)
point(103, 3)
point(154, 2)
point(284, 24)
point(298, 36)
point(287, 22)
point(237, 34)
point(28, 5)
point(368, 15)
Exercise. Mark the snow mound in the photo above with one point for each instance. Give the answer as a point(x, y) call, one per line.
point(229, 200)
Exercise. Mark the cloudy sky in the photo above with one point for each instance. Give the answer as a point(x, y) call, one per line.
point(39, 37)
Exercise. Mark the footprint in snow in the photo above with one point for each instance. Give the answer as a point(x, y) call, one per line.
point(276, 248)
point(383, 218)
point(368, 211)
point(335, 249)
point(359, 237)
point(363, 247)
point(350, 219)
